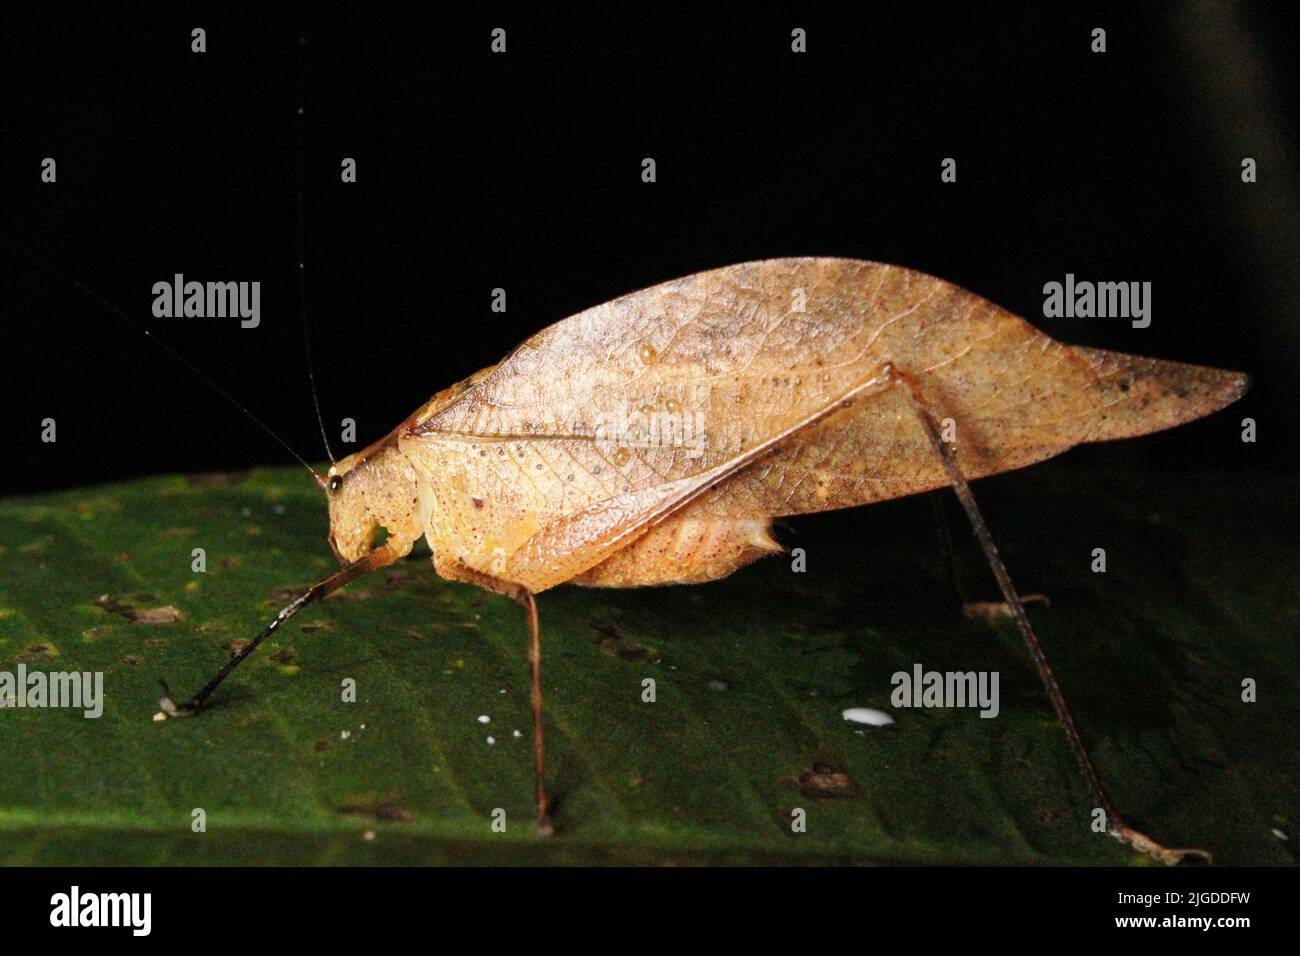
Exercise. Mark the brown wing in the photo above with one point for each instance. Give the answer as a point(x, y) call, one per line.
point(675, 380)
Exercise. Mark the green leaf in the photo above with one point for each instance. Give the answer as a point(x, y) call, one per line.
point(751, 677)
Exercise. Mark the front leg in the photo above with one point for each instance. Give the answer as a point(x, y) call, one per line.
point(378, 558)
point(454, 570)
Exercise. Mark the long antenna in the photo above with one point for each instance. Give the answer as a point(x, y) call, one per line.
point(166, 348)
point(302, 256)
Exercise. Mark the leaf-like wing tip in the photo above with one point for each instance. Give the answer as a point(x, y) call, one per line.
point(1143, 395)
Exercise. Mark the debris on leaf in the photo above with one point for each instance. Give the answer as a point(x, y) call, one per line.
point(823, 780)
point(999, 610)
point(150, 615)
point(867, 715)
point(610, 640)
point(284, 595)
point(382, 807)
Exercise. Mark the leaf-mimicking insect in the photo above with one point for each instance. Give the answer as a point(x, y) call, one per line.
point(779, 387)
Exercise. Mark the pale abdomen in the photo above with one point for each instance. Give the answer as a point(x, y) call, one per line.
point(684, 550)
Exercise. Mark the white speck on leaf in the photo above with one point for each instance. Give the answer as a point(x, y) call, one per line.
point(868, 715)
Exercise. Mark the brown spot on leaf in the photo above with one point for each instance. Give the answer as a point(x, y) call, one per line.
point(155, 615)
point(313, 628)
point(235, 646)
point(321, 746)
point(285, 595)
point(147, 615)
point(823, 780)
point(999, 610)
point(382, 807)
point(610, 640)
point(398, 579)
point(284, 656)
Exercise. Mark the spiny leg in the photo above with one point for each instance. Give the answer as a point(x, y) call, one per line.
point(375, 559)
point(1114, 822)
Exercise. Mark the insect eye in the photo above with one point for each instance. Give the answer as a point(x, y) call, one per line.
point(335, 483)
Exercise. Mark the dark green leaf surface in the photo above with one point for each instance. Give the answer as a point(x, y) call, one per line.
point(751, 674)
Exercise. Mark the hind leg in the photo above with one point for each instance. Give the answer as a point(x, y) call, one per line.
point(1114, 822)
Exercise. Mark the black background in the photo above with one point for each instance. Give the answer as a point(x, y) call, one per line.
point(523, 171)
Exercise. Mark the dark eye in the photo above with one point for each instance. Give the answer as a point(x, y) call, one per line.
point(335, 483)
